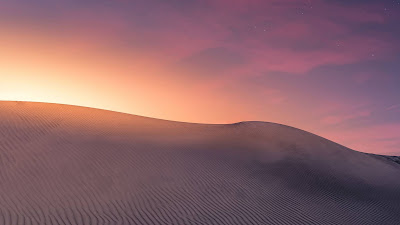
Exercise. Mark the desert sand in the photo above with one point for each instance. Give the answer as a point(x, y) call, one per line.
point(64, 164)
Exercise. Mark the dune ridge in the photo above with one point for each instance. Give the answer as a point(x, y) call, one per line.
point(63, 164)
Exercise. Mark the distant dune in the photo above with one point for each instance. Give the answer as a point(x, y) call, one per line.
point(64, 164)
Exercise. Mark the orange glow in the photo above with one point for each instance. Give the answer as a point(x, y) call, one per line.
point(37, 68)
point(81, 67)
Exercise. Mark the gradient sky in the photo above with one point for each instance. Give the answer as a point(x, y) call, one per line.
point(331, 67)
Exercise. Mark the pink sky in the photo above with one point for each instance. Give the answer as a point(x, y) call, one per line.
point(328, 67)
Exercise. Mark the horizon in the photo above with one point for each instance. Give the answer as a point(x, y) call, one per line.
point(188, 122)
point(327, 67)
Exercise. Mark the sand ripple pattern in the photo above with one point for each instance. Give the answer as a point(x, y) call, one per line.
point(64, 165)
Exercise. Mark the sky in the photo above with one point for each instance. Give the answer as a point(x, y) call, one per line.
point(330, 67)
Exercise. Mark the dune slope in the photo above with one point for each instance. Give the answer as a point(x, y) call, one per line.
point(63, 164)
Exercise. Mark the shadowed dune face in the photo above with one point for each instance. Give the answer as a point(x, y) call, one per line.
point(73, 165)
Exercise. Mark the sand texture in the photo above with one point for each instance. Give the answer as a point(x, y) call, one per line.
point(64, 165)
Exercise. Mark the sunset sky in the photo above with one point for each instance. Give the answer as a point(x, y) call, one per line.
point(331, 67)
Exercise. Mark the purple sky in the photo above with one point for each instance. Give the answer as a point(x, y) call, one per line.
point(327, 66)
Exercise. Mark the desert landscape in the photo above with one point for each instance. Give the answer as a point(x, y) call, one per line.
point(62, 164)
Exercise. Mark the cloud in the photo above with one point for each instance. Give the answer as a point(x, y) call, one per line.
point(393, 107)
point(380, 139)
point(340, 118)
point(273, 36)
point(211, 62)
point(288, 36)
point(312, 60)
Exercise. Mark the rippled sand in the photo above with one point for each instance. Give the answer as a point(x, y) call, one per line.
point(64, 164)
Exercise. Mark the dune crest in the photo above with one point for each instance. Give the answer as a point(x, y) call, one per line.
point(64, 164)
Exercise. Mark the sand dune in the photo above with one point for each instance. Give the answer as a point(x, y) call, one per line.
point(73, 165)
